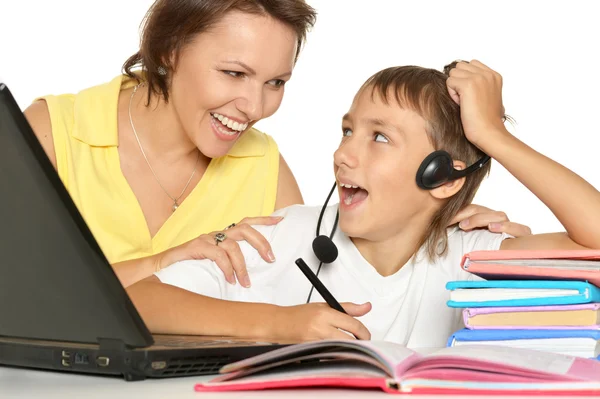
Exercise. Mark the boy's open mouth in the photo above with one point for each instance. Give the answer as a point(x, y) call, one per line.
point(353, 194)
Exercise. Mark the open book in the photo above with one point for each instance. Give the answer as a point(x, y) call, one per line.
point(396, 369)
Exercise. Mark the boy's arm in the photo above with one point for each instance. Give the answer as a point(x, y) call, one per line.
point(168, 309)
point(574, 202)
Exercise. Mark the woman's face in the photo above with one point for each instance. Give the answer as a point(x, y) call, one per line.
point(380, 153)
point(231, 76)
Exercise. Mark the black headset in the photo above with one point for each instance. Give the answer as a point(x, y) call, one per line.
point(438, 168)
point(435, 170)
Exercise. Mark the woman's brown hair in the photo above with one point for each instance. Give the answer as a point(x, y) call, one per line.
point(169, 25)
point(424, 91)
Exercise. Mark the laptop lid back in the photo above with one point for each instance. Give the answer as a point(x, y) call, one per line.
point(55, 282)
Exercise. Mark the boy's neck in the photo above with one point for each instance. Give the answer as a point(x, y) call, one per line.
point(391, 254)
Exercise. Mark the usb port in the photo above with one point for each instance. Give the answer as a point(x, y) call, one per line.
point(66, 354)
point(66, 363)
point(102, 361)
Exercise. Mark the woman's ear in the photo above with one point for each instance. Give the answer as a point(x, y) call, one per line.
point(452, 187)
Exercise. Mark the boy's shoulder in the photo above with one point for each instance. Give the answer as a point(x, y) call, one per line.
point(474, 240)
point(297, 220)
point(298, 210)
point(461, 242)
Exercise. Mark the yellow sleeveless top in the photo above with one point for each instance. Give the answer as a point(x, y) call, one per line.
point(84, 125)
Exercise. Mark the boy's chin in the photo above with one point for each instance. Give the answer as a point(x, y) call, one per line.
point(352, 229)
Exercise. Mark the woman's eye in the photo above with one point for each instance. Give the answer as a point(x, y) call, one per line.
point(277, 82)
point(346, 132)
point(235, 74)
point(380, 138)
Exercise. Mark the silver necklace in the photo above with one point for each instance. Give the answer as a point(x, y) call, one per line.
point(176, 199)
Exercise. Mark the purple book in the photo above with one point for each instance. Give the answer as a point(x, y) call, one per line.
point(470, 314)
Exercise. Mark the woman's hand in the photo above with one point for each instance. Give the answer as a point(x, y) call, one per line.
point(477, 216)
point(318, 321)
point(225, 253)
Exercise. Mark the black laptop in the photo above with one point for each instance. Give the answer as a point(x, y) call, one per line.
point(61, 305)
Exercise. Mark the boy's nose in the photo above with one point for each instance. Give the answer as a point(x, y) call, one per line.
point(347, 154)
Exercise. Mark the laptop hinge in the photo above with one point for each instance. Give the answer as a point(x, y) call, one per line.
point(113, 353)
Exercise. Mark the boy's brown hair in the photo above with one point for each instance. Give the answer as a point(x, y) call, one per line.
point(424, 91)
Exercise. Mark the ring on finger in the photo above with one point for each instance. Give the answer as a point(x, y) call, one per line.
point(219, 238)
point(230, 226)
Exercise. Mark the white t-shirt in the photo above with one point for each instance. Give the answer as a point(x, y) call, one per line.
point(408, 307)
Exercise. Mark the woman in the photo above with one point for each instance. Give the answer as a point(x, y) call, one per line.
point(159, 157)
point(396, 253)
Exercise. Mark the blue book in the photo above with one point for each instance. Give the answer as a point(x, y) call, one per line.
point(582, 343)
point(473, 294)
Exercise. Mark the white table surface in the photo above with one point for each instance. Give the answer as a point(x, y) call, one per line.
point(24, 383)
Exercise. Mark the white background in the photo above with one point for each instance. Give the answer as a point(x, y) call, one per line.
point(547, 52)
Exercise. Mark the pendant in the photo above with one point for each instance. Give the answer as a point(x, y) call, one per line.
point(175, 206)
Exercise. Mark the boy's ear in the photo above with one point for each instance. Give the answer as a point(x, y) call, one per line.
point(450, 188)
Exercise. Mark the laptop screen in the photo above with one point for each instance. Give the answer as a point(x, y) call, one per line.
point(55, 283)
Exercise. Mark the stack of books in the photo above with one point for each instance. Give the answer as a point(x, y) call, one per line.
point(543, 300)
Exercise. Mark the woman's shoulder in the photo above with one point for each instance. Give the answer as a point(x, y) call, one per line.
point(98, 92)
point(88, 115)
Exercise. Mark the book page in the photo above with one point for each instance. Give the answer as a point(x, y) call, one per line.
point(538, 361)
point(307, 372)
point(583, 317)
point(397, 356)
point(317, 362)
point(392, 357)
point(501, 294)
point(567, 264)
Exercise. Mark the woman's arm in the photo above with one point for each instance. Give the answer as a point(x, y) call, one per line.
point(38, 116)
point(288, 192)
point(574, 202)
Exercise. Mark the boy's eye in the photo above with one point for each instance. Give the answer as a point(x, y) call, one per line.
point(346, 132)
point(380, 138)
point(235, 74)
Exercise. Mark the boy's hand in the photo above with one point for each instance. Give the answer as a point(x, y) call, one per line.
point(476, 217)
point(317, 321)
point(478, 90)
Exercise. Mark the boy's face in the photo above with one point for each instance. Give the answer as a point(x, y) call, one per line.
point(381, 150)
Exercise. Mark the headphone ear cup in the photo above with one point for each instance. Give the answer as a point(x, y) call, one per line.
point(435, 170)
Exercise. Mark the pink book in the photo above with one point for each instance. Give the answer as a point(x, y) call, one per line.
point(476, 369)
point(564, 317)
point(581, 265)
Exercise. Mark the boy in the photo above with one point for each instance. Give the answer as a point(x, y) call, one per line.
point(395, 252)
